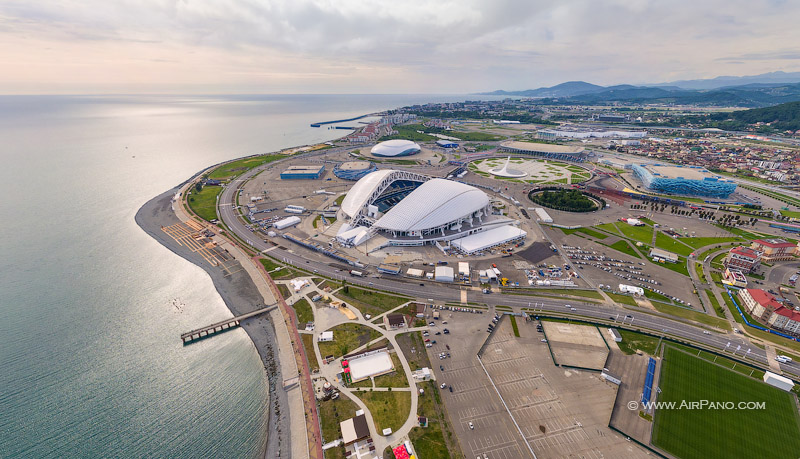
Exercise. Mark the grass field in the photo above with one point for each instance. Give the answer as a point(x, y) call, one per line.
point(587, 231)
point(717, 308)
point(389, 409)
point(369, 302)
point(642, 234)
point(308, 345)
point(632, 341)
point(696, 316)
point(303, 311)
point(623, 246)
point(698, 242)
point(346, 338)
point(624, 299)
point(204, 203)
point(679, 267)
point(672, 245)
point(241, 166)
point(712, 433)
point(514, 326)
point(331, 413)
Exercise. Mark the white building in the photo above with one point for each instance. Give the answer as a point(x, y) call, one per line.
point(286, 222)
point(325, 336)
point(778, 381)
point(543, 215)
point(444, 274)
point(631, 289)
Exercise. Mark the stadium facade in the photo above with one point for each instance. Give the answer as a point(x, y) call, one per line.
point(410, 209)
point(683, 180)
point(354, 170)
point(394, 148)
point(544, 150)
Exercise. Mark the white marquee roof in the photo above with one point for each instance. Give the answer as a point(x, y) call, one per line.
point(435, 203)
point(358, 196)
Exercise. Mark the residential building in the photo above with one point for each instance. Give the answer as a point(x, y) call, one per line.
point(396, 321)
point(743, 259)
point(773, 249)
point(763, 307)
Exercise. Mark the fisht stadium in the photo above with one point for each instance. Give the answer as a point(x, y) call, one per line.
point(397, 147)
point(683, 180)
point(401, 208)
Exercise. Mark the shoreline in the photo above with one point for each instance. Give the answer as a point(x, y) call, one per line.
point(240, 295)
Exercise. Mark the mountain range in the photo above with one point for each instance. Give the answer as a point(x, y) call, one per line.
point(750, 91)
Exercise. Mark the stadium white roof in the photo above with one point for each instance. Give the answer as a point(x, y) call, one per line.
point(358, 196)
point(487, 239)
point(396, 147)
point(436, 202)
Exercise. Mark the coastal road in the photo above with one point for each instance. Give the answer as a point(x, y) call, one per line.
point(655, 322)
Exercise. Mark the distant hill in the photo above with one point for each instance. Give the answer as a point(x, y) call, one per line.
point(772, 78)
point(568, 89)
point(781, 117)
point(748, 95)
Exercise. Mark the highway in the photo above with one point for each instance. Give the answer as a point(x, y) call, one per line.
point(424, 289)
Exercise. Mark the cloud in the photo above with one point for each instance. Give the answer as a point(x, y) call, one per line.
point(429, 46)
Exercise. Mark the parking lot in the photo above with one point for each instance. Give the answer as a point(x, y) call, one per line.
point(561, 412)
point(579, 346)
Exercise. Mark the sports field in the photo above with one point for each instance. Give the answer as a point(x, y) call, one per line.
point(707, 433)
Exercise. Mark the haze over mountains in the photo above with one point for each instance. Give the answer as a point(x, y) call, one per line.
point(746, 91)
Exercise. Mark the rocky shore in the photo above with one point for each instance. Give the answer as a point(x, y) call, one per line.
point(241, 295)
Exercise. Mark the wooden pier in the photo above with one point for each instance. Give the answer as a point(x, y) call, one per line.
point(221, 326)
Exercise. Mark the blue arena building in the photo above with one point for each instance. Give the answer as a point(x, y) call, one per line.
point(683, 180)
point(303, 172)
point(354, 170)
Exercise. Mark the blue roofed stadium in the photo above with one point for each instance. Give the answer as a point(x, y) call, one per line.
point(683, 180)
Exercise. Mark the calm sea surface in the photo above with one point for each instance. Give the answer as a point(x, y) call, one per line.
point(90, 360)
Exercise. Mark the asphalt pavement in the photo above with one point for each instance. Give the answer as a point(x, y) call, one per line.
point(725, 343)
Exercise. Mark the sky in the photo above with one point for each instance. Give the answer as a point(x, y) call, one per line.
point(377, 46)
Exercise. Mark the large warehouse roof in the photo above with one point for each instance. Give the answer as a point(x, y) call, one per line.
point(434, 203)
point(358, 196)
point(541, 147)
point(488, 239)
point(395, 147)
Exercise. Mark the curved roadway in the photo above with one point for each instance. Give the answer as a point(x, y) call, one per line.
point(656, 323)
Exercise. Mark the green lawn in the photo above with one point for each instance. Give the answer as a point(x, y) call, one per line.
point(308, 345)
point(713, 433)
point(609, 227)
point(240, 166)
point(790, 213)
point(514, 326)
point(346, 338)
point(679, 267)
point(396, 379)
point(698, 242)
point(389, 409)
point(437, 440)
point(204, 202)
point(717, 308)
point(587, 231)
point(696, 316)
point(370, 302)
point(624, 299)
point(623, 246)
point(672, 245)
point(331, 413)
point(698, 268)
point(656, 296)
point(303, 311)
point(632, 341)
point(642, 234)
